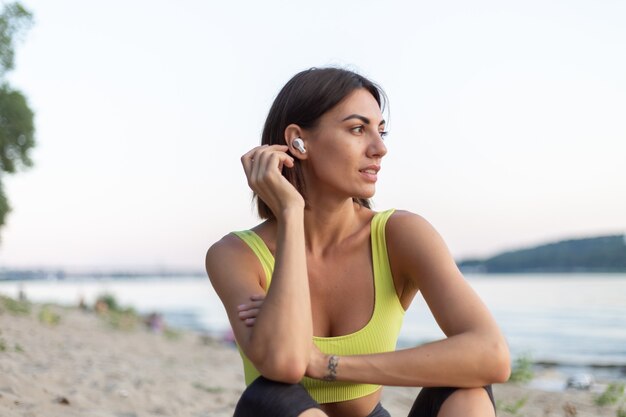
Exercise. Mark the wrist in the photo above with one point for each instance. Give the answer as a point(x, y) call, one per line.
point(294, 213)
point(331, 368)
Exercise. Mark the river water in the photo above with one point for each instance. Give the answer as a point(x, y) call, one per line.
point(567, 319)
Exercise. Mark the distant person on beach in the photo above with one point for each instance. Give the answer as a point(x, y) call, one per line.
point(316, 293)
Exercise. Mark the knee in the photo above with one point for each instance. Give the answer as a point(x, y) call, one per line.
point(262, 393)
point(265, 397)
point(467, 402)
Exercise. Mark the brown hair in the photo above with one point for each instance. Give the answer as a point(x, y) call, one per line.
point(302, 101)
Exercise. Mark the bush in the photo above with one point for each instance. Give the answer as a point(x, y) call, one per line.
point(125, 319)
point(611, 395)
point(108, 300)
point(522, 370)
point(122, 318)
point(512, 408)
point(14, 306)
point(47, 316)
point(171, 334)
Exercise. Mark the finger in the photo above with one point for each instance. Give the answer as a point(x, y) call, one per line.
point(249, 156)
point(257, 297)
point(247, 160)
point(251, 304)
point(255, 304)
point(248, 313)
point(272, 161)
point(260, 162)
point(266, 168)
point(250, 322)
point(247, 306)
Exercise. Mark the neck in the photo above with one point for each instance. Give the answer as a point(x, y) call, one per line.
point(326, 225)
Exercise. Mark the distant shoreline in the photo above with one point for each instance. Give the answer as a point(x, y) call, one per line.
point(57, 274)
point(579, 271)
point(600, 254)
point(77, 277)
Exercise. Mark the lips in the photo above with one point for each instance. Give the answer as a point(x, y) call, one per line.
point(372, 169)
point(370, 173)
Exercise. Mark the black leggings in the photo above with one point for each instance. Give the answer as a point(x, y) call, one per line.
point(266, 398)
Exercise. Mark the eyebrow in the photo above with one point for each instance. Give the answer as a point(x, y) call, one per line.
point(362, 118)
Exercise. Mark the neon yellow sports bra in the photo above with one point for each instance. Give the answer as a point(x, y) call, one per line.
point(380, 334)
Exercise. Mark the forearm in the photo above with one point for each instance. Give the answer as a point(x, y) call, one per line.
point(465, 360)
point(280, 340)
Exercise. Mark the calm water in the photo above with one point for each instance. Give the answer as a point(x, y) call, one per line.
point(577, 319)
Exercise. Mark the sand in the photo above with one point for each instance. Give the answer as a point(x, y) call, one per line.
point(85, 366)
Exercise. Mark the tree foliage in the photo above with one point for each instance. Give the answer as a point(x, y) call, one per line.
point(17, 129)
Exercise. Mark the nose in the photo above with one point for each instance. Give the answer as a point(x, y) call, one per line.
point(377, 148)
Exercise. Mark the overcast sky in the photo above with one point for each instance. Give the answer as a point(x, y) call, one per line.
point(507, 119)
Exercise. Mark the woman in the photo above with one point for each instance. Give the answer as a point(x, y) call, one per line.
point(320, 340)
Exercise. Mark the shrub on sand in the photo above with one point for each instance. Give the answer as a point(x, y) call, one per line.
point(522, 370)
point(14, 306)
point(125, 319)
point(116, 316)
point(512, 408)
point(611, 395)
point(47, 316)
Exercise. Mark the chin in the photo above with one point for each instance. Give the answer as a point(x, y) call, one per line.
point(365, 194)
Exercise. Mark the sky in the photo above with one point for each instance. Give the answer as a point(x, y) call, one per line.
point(507, 120)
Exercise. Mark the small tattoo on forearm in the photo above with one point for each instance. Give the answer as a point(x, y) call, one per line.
point(331, 374)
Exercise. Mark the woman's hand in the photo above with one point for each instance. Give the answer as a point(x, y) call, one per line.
point(263, 166)
point(249, 312)
point(318, 362)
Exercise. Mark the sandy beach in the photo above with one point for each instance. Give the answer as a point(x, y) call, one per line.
point(57, 361)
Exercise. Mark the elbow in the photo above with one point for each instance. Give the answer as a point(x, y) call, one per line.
point(282, 368)
point(500, 363)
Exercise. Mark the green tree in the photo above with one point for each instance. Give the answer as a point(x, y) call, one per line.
point(17, 129)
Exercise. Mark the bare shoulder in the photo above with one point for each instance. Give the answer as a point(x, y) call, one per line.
point(405, 227)
point(229, 245)
point(415, 247)
point(228, 254)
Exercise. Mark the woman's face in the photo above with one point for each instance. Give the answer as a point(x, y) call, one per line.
point(345, 149)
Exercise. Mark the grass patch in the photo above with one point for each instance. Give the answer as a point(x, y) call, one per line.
point(611, 395)
point(108, 302)
point(121, 318)
point(512, 408)
point(49, 317)
point(522, 370)
point(18, 348)
point(3, 345)
point(14, 306)
point(205, 388)
point(171, 334)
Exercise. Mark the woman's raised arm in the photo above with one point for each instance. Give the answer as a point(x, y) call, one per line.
point(474, 353)
point(279, 344)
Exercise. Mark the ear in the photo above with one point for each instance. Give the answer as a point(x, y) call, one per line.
point(291, 132)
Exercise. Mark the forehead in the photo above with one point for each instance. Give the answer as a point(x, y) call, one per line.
point(360, 102)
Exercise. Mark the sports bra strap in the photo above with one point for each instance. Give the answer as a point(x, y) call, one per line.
point(262, 252)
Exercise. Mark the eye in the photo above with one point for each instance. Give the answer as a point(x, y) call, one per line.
point(383, 134)
point(358, 129)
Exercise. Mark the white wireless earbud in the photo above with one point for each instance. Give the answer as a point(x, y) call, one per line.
point(299, 145)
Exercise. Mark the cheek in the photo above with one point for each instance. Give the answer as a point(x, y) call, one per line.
point(336, 154)
point(335, 164)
